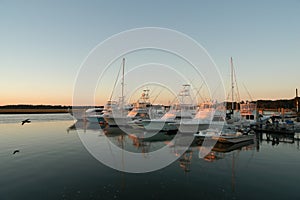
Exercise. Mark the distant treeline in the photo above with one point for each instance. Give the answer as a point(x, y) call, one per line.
point(262, 104)
point(270, 104)
point(282, 103)
point(21, 106)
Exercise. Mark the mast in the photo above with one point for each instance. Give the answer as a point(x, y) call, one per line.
point(122, 100)
point(232, 84)
point(297, 103)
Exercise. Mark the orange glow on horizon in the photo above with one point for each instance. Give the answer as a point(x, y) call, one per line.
point(66, 99)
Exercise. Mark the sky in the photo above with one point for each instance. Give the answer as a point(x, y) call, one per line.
point(44, 43)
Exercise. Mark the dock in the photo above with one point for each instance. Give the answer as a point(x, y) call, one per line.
point(274, 130)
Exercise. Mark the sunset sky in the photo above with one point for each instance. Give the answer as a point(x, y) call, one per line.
point(44, 43)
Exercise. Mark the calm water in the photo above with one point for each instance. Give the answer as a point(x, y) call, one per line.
point(53, 164)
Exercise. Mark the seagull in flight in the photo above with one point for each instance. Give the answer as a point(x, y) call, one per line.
point(16, 151)
point(25, 121)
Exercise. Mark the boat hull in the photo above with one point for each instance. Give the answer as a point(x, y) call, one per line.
point(117, 121)
point(159, 125)
point(191, 127)
point(95, 119)
point(234, 139)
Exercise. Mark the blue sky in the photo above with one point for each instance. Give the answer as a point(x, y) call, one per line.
point(43, 43)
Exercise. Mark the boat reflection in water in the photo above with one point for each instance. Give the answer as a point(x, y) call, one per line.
point(141, 141)
point(218, 151)
point(86, 125)
point(275, 139)
point(185, 160)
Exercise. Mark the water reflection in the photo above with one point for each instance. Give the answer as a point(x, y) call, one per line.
point(141, 141)
point(218, 152)
point(52, 160)
point(275, 139)
point(85, 125)
point(185, 160)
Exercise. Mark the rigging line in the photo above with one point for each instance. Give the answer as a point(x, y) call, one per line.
point(248, 92)
point(237, 88)
point(178, 97)
point(213, 94)
point(157, 95)
point(152, 92)
point(198, 91)
point(115, 82)
point(228, 97)
point(173, 100)
point(192, 84)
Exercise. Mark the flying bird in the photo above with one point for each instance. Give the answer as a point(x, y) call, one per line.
point(16, 151)
point(25, 121)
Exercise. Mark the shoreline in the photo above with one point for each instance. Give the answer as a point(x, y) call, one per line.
point(32, 111)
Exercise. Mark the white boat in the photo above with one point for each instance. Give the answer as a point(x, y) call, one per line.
point(201, 121)
point(136, 124)
point(153, 112)
point(230, 136)
point(140, 111)
point(234, 138)
point(208, 133)
point(115, 112)
point(246, 115)
point(94, 115)
point(166, 123)
point(184, 111)
point(115, 115)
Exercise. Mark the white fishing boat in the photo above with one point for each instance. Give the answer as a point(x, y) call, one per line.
point(167, 122)
point(243, 114)
point(184, 111)
point(94, 115)
point(115, 112)
point(227, 135)
point(208, 133)
point(140, 111)
point(153, 112)
point(201, 121)
point(90, 114)
point(234, 138)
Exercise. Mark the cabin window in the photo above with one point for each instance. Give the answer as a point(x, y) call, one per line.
point(250, 117)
